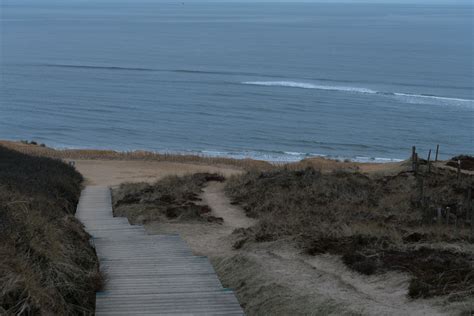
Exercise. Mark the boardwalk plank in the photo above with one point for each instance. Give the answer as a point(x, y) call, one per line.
point(149, 274)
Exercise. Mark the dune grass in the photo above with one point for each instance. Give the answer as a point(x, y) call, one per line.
point(138, 155)
point(172, 198)
point(47, 266)
point(376, 223)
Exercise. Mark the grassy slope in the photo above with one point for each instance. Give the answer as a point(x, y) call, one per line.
point(375, 223)
point(139, 155)
point(172, 198)
point(46, 263)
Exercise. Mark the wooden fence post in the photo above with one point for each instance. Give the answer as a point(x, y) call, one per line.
point(416, 163)
point(429, 163)
point(459, 169)
point(470, 209)
point(413, 163)
point(437, 150)
point(472, 220)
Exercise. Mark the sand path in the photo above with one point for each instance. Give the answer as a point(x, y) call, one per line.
point(210, 239)
point(233, 216)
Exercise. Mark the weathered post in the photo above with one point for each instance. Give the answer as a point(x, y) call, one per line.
point(429, 163)
point(470, 209)
point(413, 153)
point(459, 169)
point(472, 219)
point(437, 150)
point(416, 163)
point(468, 205)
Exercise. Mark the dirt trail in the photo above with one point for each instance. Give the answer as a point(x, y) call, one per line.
point(233, 216)
point(210, 239)
point(274, 278)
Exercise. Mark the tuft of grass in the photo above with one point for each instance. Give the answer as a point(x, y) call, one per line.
point(47, 266)
point(172, 198)
point(376, 223)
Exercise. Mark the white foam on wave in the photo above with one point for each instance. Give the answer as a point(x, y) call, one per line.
point(374, 159)
point(288, 156)
point(431, 99)
point(259, 155)
point(303, 85)
point(405, 97)
point(294, 153)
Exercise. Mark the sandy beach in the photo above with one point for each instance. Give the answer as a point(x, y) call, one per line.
point(106, 167)
point(113, 172)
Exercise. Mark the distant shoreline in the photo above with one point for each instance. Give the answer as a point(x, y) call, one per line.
point(322, 163)
point(272, 157)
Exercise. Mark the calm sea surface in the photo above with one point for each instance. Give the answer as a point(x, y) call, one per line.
point(269, 81)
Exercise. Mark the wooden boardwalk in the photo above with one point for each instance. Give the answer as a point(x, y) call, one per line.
point(149, 274)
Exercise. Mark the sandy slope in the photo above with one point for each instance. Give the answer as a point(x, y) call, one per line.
point(233, 216)
point(276, 279)
point(114, 172)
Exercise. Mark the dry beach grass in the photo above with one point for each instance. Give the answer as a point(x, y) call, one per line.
point(47, 266)
point(376, 223)
point(94, 155)
point(172, 198)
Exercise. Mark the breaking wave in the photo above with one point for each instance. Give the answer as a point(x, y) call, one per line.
point(303, 85)
point(432, 99)
point(405, 97)
point(286, 156)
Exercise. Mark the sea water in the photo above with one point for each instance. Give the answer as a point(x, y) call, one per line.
point(274, 81)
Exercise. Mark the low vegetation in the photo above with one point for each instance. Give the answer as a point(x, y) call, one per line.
point(32, 148)
point(463, 161)
point(401, 222)
point(34, 143)
point(172, 198)
point(47, 266)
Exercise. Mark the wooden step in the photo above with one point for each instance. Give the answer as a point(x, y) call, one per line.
point(149, 274)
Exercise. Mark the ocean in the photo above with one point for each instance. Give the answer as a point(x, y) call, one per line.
point(272, 81)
